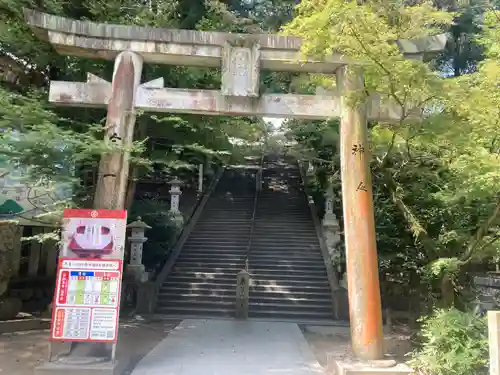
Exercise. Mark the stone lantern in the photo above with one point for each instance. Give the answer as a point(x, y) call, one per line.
point(310, 169)
point(175, 193)
point(137, 239)
point(331, 229)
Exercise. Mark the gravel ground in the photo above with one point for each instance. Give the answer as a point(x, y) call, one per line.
point(333, 343)
point(21, 352)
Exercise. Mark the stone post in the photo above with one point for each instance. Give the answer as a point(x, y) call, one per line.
point(114, 167)
point(258, 180)
point(175, 193)
point(494, 341)
point(359, 223)
point(137, 239)
point(200, 179)
point(242, 294)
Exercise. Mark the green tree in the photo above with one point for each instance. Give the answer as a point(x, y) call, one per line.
point(438, 174)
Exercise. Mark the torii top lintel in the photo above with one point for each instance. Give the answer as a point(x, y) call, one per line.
point(188, 47)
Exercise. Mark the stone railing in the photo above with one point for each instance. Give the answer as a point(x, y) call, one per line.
point(339, 294)
point(146, 291)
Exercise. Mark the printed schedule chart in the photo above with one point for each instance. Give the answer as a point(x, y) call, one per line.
point(87, 301)
point(87, 288)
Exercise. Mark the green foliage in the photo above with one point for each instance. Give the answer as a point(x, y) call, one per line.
point(164, 231)
point(452, 342)
point(435, 181)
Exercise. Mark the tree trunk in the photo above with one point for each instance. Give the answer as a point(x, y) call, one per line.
point(447, 291)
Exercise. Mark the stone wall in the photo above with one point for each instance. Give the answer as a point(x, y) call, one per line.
point(27, 270)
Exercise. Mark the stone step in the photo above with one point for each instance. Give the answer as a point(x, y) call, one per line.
point(213, 248)
point(216, 241)
point(209, 225)
point(293, 294)
point(231, 256)
point(213, 251)
point(260, 248)
point(302, 228)
point(286, 275)
point(222, 235)
point(224, 282)
point(281, 242)
point(255, 292)
point(207, 259)
point(284, 237)
point(258, 242)
point(196, 298)
point(200, 304)
point(190, 283)
point(257, 270)
point(220, 269)
point(287, 266)
point(221, 231)
point(293, 316)
point(283, 304)
point(166, 291)
point(194, 311)
point(280, 221)
point(192, 278)
point(270, 283)
point(283, 274)
point(223, 221)
point(259, 302)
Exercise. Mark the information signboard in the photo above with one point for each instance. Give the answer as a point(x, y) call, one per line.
point(87, 295)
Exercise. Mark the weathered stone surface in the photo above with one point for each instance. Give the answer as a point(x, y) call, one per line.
point(26, 293)
point(119, 130)
point(187, 47)
point(370, 368)
point(9, 308)
point(488, 288)
point(10, 252)
point(20, 325)
point(211, 102)
point(240, 70)
point(50, 368)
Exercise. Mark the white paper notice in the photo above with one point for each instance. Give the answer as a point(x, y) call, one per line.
point(103, 326)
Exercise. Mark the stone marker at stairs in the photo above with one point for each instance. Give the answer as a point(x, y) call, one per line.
point(242, 293)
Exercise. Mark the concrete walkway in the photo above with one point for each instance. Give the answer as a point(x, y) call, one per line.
point(228, 347)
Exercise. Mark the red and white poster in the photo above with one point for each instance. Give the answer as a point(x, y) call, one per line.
point(87, 296)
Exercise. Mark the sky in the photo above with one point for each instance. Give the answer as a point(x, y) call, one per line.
point(275, 121)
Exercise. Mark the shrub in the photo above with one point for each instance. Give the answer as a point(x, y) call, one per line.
point(452, 342)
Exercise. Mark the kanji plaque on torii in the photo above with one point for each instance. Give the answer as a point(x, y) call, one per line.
point(241, 58)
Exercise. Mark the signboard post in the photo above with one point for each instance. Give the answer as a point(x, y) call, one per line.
point(87, 294)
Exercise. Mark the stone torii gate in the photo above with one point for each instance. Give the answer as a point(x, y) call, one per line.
point(241, 58)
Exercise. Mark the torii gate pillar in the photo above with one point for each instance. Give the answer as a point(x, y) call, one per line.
point(365, 308)
point(114, 167)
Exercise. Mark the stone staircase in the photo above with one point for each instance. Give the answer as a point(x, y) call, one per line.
point(203, 281)
point(288, 274)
